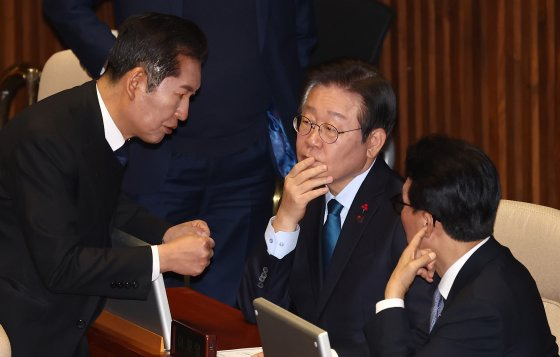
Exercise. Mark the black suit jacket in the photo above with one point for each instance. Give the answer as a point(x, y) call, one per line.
point(493, 309)
point(59, 193)
point(341, 302)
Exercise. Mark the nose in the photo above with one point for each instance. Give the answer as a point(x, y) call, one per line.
point(183, 109)
point(313, 138)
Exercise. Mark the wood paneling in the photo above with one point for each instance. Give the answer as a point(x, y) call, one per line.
point(487, 71)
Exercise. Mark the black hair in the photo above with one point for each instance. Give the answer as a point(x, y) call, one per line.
point(378, 107)
point(457, 183)
point(154, 42)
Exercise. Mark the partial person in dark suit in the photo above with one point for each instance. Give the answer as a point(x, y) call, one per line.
point(486, 303)
point(347, 112)
point(218, 166)
point(60, 191)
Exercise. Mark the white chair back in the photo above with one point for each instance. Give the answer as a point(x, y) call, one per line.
point(532, 233)
point(61, 71)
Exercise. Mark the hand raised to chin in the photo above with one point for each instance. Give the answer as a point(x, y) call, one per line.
point(304, 183)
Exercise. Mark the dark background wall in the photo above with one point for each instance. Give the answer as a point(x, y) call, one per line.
point(487, 71)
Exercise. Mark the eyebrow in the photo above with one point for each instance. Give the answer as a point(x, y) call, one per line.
point(330, 113)
point(189, 88)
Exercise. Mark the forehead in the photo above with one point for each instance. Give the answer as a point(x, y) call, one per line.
point(189, 76)
point(333, 101)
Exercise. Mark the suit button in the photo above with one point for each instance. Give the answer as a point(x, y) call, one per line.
point(127, 285)
point(81, 324)
point(119, 284)
point(134, 284)
point(113, 285)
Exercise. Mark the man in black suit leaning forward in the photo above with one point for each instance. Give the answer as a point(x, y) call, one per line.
point(59, 191)
point(486, 303)
point(328, 276)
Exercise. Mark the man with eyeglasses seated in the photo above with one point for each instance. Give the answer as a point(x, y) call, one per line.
point(335, 240)
point(486, 303)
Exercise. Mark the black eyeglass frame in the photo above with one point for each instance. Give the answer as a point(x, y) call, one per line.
point(398, 205)
point(313, 125)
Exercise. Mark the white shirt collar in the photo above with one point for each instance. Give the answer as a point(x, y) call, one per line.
point(448, 278)
point(112, 134)
point(348, 193)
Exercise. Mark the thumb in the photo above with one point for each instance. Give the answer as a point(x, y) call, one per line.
point(423, 260)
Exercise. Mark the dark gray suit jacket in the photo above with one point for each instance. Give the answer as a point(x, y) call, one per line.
point(493, 309)
point(59, 200)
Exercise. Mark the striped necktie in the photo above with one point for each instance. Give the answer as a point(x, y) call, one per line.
point(437, 307)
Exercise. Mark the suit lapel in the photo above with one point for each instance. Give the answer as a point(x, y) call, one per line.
point(103, 169)
point(313, 227)
point(472, 268)
point(361, 214)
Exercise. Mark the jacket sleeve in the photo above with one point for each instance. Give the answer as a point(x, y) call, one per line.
point(264, 276)
point(139, 222)
point(474, 328)
point(80, 30)
point(70, 253)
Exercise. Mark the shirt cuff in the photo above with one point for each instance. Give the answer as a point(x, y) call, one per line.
point(388, 303)
point(279, 244)
point(155, 262)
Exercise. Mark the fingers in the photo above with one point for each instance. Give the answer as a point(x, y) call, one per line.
point(422, 265)
point(201, 227)
point(415, 242)
point(187, 255)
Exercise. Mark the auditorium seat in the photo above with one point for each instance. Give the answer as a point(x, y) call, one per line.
point(532, 233)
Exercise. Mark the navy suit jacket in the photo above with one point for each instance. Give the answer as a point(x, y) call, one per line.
point(369, 246)
point(59, 200)
point(493, 309)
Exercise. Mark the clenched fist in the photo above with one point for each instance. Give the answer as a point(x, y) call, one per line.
point(189, 254)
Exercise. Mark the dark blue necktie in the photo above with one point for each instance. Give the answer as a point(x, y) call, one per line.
point(331, 230)
point(122, 153)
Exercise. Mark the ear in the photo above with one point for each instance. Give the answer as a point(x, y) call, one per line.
point(136, 80)
point(429, 223)
point(375, 142)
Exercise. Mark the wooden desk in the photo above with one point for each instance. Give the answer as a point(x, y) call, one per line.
point(195, 309)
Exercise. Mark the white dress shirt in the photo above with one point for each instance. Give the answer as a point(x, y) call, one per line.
point(280, 244)
point(115, 139)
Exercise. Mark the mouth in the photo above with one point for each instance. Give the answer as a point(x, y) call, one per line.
point(169, 129)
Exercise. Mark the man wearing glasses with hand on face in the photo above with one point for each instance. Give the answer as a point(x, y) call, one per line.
point(335, 240)
point(486, 303)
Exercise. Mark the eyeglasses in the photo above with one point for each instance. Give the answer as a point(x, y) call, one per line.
point(398, 206)
point(398, 203)
point(327, 132)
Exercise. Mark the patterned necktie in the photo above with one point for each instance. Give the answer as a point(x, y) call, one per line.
point(437, 307)
point(122, 153)
point(331, 230)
